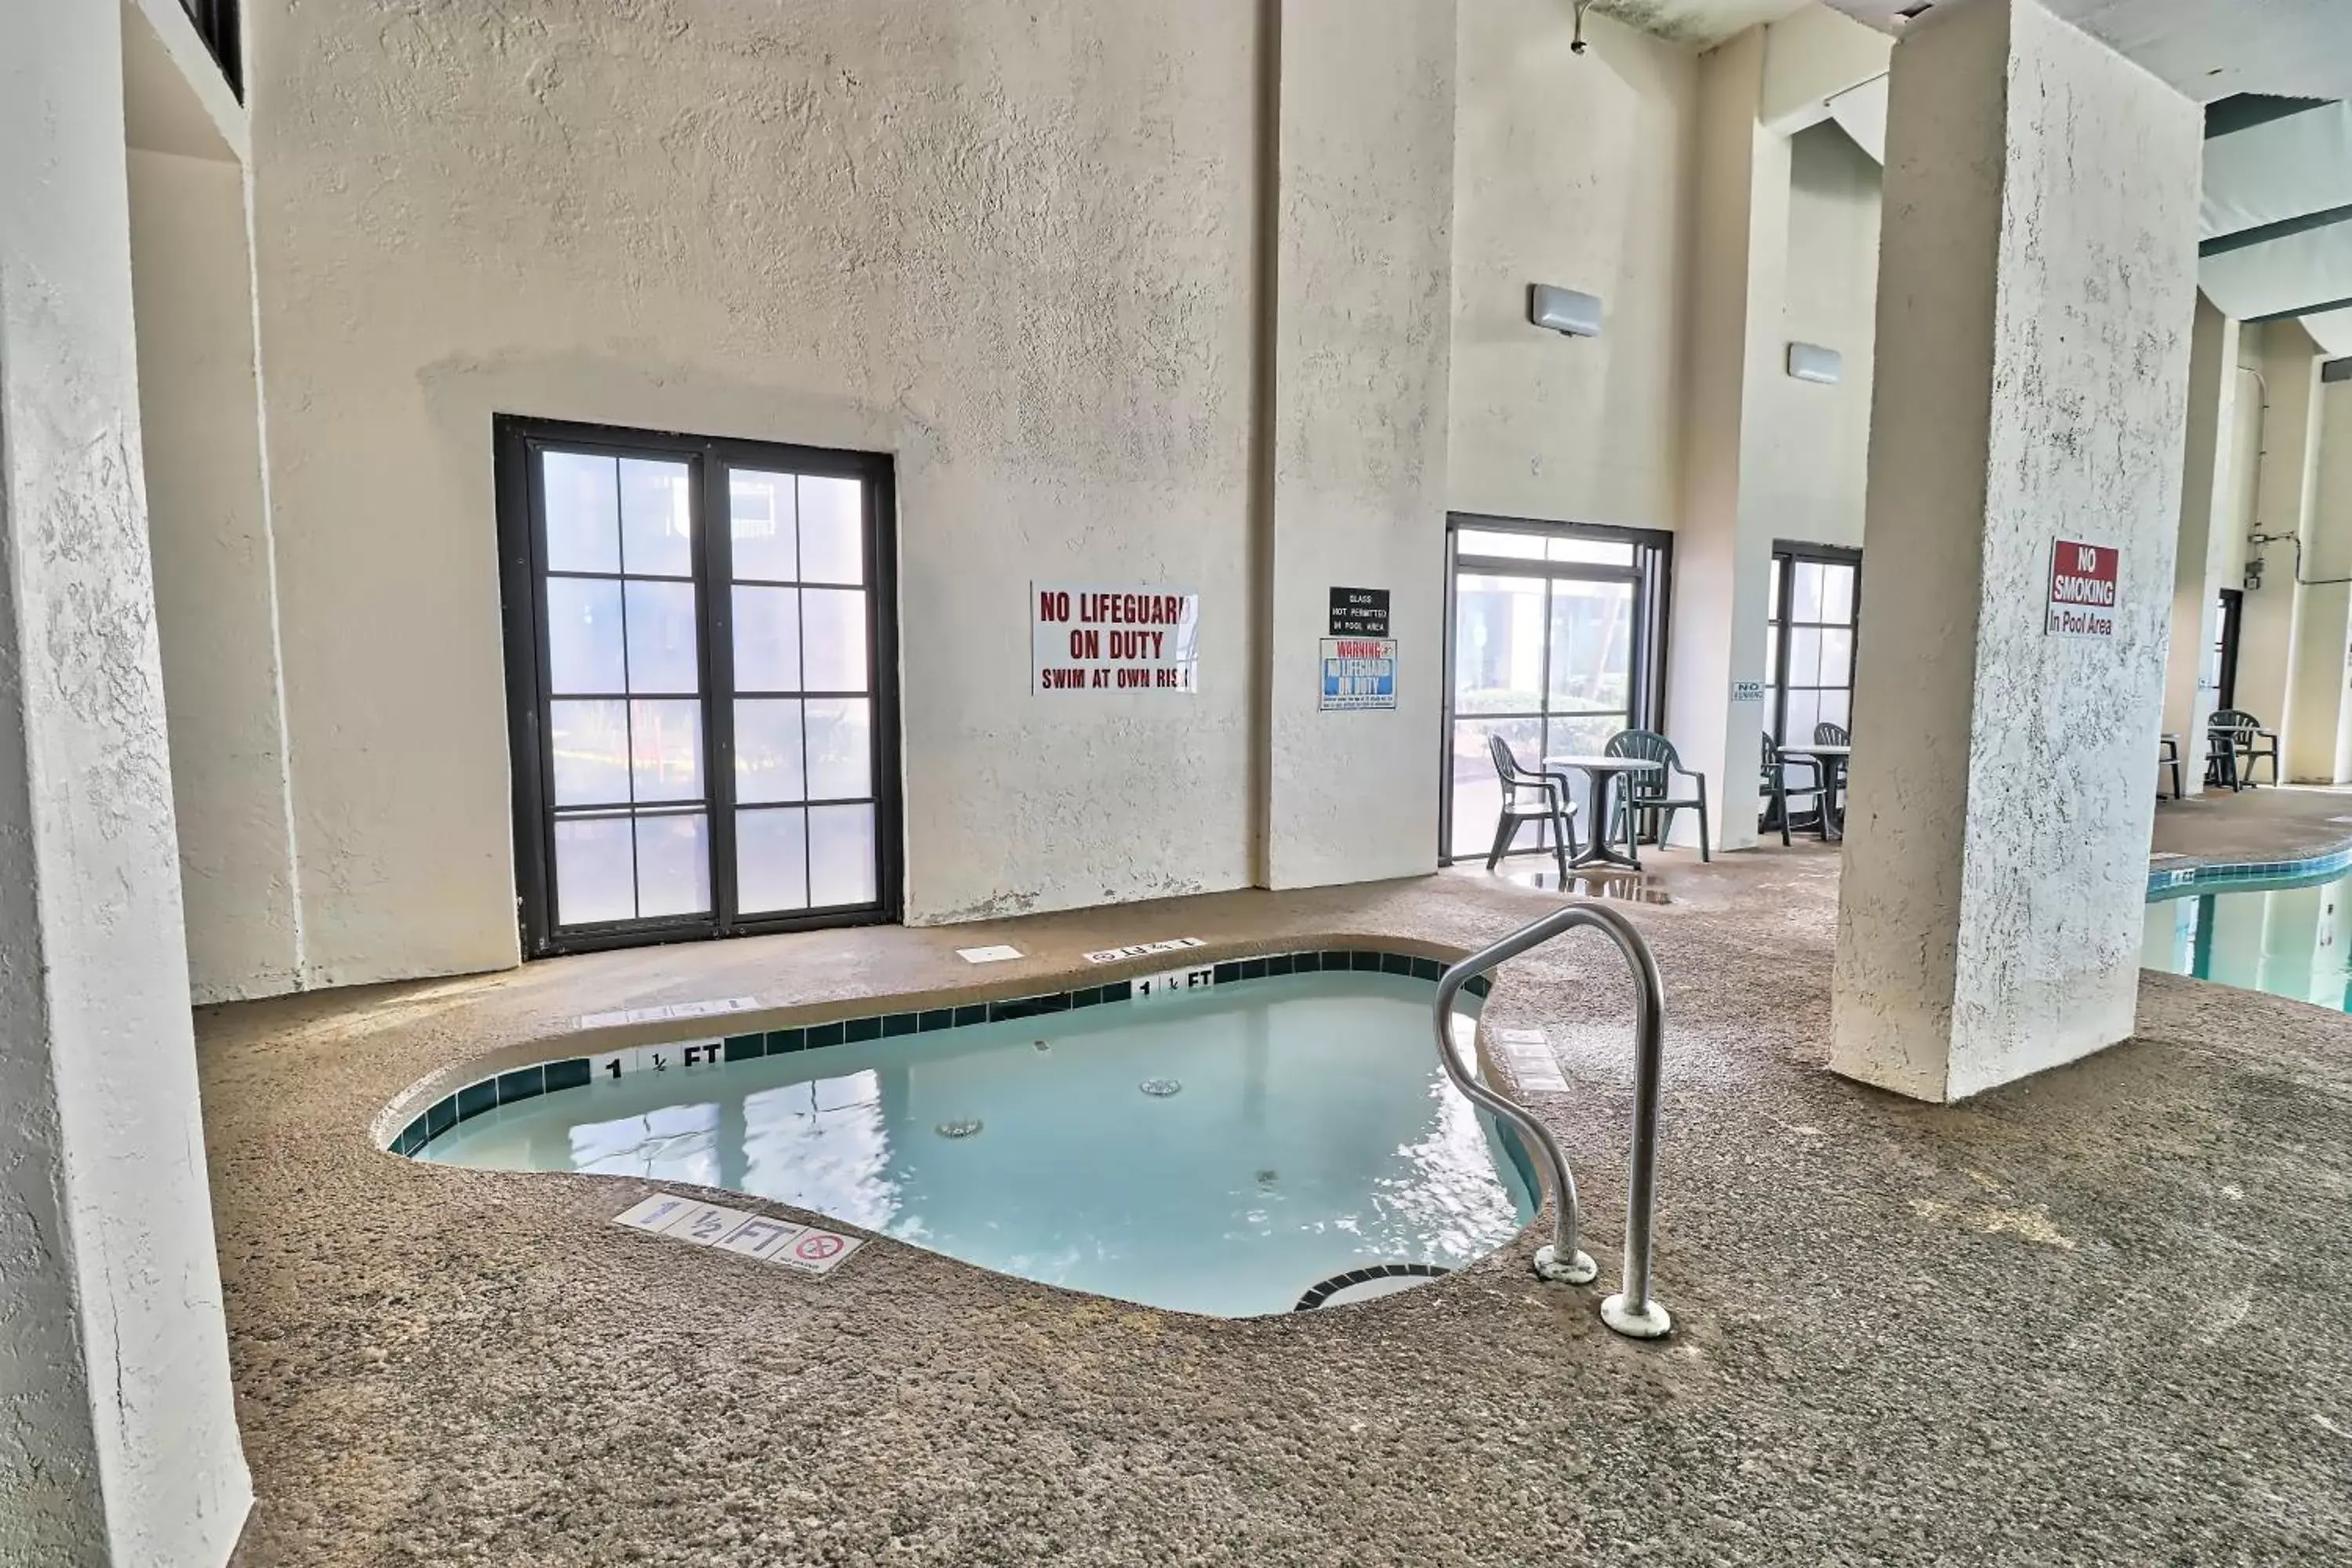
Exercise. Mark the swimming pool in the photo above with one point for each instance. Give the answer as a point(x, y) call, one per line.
point(2289, 937)
point(1230, 1150)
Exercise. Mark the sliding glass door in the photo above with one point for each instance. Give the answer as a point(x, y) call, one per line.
point(700, 682)
point(1813, 610)
point(1557, 638)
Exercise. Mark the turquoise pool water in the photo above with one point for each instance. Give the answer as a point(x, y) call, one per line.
point(1221, 1151)
point(2290, 938)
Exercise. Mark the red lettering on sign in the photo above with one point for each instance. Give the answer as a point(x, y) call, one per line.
point(2083, 577)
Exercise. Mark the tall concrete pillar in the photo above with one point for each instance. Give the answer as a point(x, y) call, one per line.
point(2203, 561)
point(2287, 370)
point(1352, 461)
point(118, 1443)
point(2318, 749)
point(2330, 663)
point(1723, 552)
point(2036, 291)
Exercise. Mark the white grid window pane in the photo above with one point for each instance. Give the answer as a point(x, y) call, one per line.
point(840, 749)
point(1807, 606)
point(578, 495)
point(583, 636)
point(841, 855)
point(656, 527)
point(772, 860)
point(673, 866)
point(666, 750)
point(1484, 541)
point(1837, 656)
point(1837, 594)
point(833, 639)
point(664, 652)
point(767, 639)
point(768, 750)
point(1805, 713)
point(1804, 656)
point(594, 874)
point(833, 529)
point(760, 514)
point(590, 742)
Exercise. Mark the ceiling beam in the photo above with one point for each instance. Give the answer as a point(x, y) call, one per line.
point(2222, 244)
point(2244, 111)
point(2313, 309)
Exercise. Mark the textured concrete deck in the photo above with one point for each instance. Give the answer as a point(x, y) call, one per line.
point(2102, 1317)
point(2255, 824)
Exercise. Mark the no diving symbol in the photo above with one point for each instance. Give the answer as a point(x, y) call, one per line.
point(817, 1246)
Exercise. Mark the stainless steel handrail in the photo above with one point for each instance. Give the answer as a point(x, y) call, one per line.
point(1631, 1311)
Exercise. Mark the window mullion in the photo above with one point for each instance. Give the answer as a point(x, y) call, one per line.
point(714, 562)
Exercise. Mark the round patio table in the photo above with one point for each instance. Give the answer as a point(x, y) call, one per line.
point(1833, 760)
point(1597, 771)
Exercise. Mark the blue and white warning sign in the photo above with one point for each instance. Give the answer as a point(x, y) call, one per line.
point(1359, 674)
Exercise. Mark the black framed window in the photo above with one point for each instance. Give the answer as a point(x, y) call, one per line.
point(702, 685)
point(1554, 640)
point(2222, 670)
point(217, 25)
point(1813, 606)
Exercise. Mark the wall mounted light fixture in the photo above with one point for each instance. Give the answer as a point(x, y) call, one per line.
point(1564, 311)
point(1811, 362)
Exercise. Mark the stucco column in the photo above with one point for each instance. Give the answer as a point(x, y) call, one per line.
point(1723, 552)
point(2203, 554)
point(2036, 293)
point(118, 1443)
point(1352, 432)
point(2288, 367)
point(2316, 749)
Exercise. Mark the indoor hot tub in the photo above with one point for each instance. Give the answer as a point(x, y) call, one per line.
point(1278, 1134)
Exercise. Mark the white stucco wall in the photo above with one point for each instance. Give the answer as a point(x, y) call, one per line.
point(1571, 170)
point(118, 1442)
point(1364, 170)
point(1009, 243)
point(2038, 261)
point(1812, 468)
point(215, 600)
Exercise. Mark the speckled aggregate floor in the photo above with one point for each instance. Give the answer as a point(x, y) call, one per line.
point(2101, 1316)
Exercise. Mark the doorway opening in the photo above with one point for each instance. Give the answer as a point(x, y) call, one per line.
point(1556, 640)
point(701, 683)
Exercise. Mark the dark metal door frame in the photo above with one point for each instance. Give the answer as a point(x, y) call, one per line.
point(522, 570)
point(1651, 574)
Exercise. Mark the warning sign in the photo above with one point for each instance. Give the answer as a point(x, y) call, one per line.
point(2083, 587)
point(1086, 639)
point(1359, 674)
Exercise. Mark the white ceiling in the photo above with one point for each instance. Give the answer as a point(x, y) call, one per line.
point(1698, 22)
point(2207, 48)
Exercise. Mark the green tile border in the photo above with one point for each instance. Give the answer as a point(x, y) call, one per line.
point(2175, 881)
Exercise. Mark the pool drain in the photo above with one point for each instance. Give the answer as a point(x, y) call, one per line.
point(1160, 1087)
point(1330, 1287)
point(964, 1129)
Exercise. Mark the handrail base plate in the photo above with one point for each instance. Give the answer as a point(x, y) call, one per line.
point(1579, 1270)
point(1652, 1323)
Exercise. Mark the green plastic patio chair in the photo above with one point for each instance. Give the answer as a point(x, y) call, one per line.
point(1651, 792)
